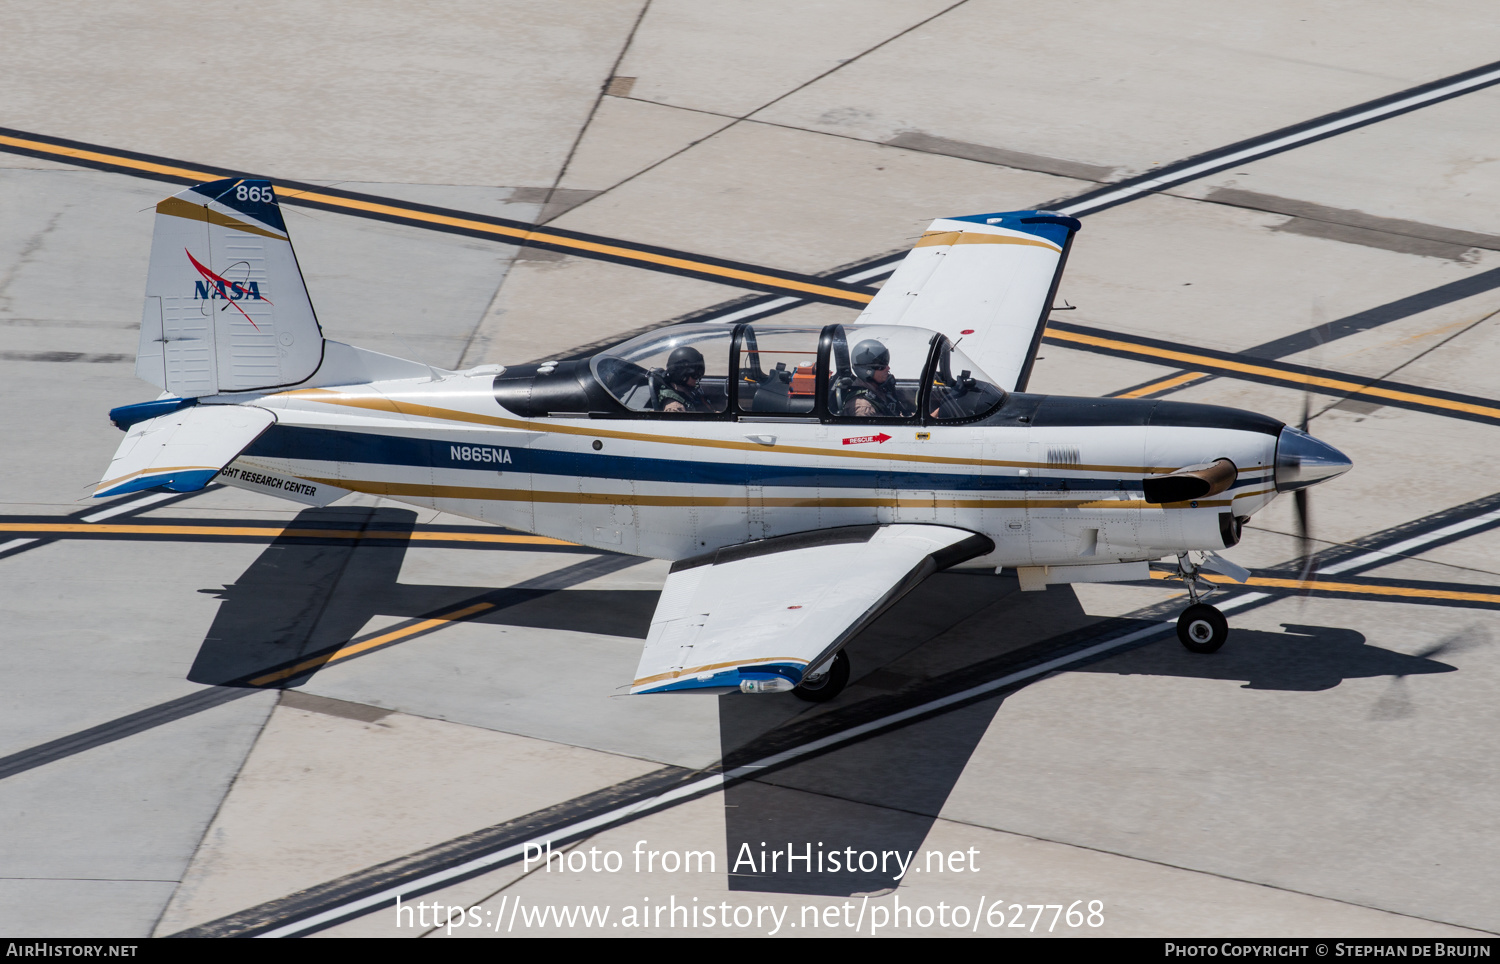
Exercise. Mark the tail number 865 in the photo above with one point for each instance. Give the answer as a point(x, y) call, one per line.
point(244, 193)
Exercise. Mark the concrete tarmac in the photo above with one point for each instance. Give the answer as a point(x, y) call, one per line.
point(1325, 774)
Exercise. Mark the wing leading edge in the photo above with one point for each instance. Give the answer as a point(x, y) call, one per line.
point(988, 279)
point(776, 608)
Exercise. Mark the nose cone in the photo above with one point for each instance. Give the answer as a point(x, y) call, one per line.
point(1302, 460)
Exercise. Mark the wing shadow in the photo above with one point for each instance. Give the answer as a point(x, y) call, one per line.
point(303, 596)
point(879, 796)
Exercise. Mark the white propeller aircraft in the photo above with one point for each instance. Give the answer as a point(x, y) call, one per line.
point(800, 479)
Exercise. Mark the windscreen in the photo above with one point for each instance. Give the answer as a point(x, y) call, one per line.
point(960, 391)
point(683, 369)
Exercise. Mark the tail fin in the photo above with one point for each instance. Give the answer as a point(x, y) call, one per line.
point(226, 307)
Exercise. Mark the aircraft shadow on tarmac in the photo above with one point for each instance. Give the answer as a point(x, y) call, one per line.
point(880, 795)
point(1304, 658)
point(302, 596)
point(884, 794)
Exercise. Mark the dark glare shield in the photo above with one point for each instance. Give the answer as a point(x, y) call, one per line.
point(1302, 460)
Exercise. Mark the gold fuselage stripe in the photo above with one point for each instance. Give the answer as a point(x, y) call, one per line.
point(384, 404)
point(424, 490)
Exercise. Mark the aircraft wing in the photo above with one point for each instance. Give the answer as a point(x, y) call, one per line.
point(778, 607)
point(988, 279)
point(182, 450)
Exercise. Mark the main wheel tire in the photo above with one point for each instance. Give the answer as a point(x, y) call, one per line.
point(824, 688)
point(1202, 628)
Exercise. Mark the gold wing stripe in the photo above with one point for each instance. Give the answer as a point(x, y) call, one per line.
point(944, 238)
point(694, 671)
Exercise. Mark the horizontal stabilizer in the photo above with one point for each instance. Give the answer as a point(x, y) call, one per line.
point(226, 308)
point(183, 450)
point(774, 609)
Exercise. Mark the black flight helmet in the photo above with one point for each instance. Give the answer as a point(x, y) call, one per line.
point(684, 363)
point(869, 355)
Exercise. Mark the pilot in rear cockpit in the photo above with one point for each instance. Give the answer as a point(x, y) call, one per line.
point(680, 392)
point(874, 392)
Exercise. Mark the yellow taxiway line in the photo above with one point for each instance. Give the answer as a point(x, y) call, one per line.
point(388, 208)
point(1364, 589)
point(1187, 359)
point(273, 532)
point(355, 648)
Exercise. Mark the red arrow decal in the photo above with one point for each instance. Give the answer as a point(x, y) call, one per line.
point(862, 439)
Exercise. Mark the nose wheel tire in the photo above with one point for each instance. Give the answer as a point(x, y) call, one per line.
point(1202, 628)
point(824, 687)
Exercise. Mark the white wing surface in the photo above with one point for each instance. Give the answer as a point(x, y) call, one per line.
point(774, 609)
point(182, 450)
point(988, 279)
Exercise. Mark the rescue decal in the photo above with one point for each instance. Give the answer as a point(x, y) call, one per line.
point(862, 439)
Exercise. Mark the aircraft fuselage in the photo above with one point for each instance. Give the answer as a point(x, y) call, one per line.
point(1052, 480)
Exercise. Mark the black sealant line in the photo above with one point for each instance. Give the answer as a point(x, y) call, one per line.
point(151, 717)
point(827, 280)
point(1231, 152)
point(1167, 171)
point(1282, 374)
point(557, 819)
point(299, 193)
point(1360, 321)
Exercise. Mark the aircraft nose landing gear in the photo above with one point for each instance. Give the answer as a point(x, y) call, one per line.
point(1201, 628)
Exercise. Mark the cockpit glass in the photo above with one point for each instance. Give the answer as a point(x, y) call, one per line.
point(778, 370)
point(875, 371)
point(683, 369)
point(959, 389)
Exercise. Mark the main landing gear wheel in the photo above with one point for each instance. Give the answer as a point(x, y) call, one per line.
point(826, 685)
point(1202, 628)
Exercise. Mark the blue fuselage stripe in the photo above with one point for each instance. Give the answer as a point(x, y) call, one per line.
point(327, 445)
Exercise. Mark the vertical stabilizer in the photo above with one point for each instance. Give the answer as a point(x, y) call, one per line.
point(226, 309)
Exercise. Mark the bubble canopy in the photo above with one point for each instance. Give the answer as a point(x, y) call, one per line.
point(862, 373)
point(880, 374)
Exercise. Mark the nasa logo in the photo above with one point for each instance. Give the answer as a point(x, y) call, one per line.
point(215, 286)
point(478, 453)
point(226, 290)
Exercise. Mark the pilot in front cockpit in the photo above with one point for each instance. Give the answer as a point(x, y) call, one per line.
point(874, 392)
point(680, 392)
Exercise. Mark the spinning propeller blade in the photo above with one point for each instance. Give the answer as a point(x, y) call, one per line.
point(1304, 519)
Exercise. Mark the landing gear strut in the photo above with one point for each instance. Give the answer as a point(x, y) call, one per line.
point(1201, 628)
point(827, 684)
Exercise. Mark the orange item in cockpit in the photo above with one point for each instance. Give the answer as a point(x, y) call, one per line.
point(804, 380)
